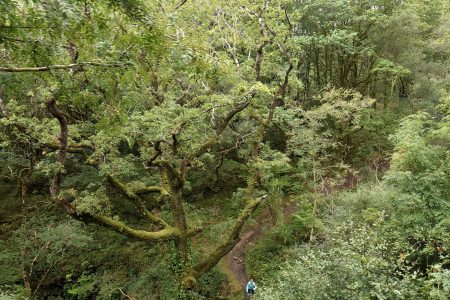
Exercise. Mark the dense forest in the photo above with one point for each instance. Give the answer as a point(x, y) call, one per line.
point(174, 149)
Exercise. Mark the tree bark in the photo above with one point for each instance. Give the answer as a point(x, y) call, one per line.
point(178, 213)
point(137, 202)
point(165, 234)
point(3, 108)
point(189, 280)
point(63, 134)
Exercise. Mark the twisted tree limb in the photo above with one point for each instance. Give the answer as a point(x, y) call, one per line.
point(167, 233)
point(72, 148)
point(158, 152)
point(137, 202)
point(240, 107)
point(63, 134)
point(53, 146)
point(232, 238)
point(223, 125)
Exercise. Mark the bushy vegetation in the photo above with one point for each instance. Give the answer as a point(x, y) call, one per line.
point(385, 241)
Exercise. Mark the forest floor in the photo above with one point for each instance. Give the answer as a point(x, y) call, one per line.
point(234, 261)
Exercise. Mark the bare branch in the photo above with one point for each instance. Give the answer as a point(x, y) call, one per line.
point(127, 296)
point(223, 125)
point(60, 67)
point(180, 4)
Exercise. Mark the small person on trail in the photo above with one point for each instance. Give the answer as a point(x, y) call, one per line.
point(251, 287)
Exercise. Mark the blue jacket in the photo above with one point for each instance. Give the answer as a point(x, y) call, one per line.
point(250, 286)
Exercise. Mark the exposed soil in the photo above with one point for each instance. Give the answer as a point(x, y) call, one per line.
point(235, 259)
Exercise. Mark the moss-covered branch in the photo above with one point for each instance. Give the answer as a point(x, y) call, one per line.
point(171, 169)
point(164, 234)
point(118, 226)
point(63, 134)
point(168, 232)
point(137, 202)
point(152, 189)
point(72, 148)
point(220, 251)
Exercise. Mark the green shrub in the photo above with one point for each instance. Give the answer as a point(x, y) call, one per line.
point(263, 259)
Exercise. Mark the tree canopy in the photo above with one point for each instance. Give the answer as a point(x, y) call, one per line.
point(152, 134)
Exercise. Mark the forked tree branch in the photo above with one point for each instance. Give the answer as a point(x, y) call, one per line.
point(163, 234)
point(189, 280)
point(240, 107)
point(222, 126)
point(137, 202)
point(158, 152)
point(116, 225)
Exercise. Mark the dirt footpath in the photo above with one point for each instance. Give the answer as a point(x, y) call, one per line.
point(235, 259)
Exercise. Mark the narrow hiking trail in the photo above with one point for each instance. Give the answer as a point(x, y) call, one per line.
point(235, 260)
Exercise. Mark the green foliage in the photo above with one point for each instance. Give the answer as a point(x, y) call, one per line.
point(388, 241)
point(363, 256)
point(263, 259)
point(14, 293)
point(166, 76)
point(420, 169)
